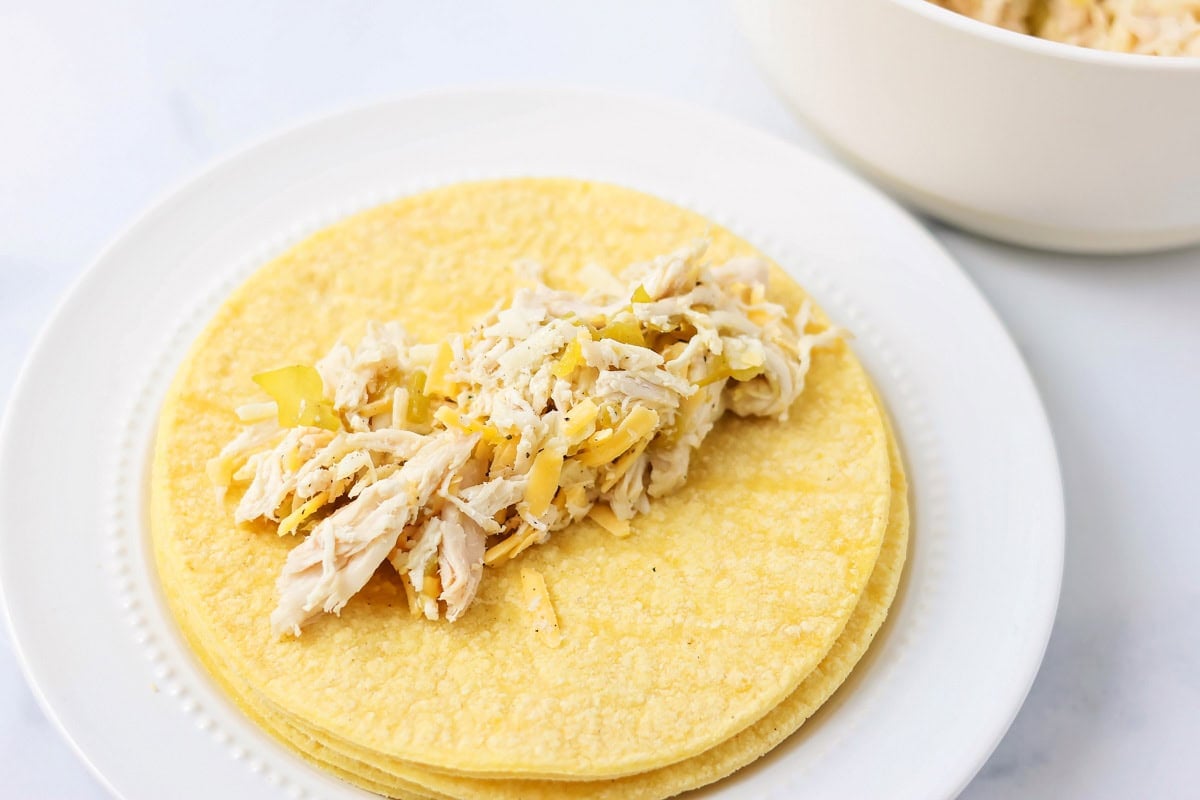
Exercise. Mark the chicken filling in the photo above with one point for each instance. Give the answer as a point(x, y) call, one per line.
point(445, 458)
point(1149, 27)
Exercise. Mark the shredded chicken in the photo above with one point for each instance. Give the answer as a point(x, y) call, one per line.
point(443, 459)
point(1151, 27)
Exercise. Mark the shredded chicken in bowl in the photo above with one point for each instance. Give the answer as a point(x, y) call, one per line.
point(444, 458)
point(1152, 27)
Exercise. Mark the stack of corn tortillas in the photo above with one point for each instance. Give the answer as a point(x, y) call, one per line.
point(688, 649)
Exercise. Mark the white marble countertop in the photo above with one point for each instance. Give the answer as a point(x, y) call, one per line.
point(108, 105)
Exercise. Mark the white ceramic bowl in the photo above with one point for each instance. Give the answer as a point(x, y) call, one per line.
point(1015, 137)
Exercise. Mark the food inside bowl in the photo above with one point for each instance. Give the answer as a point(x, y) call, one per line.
point(1149, 27)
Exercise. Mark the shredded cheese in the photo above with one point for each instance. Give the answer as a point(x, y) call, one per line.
point(375, 408)
point(505, 456)
point(603, 516)
point(622, 465)
point(410, 595)
point(220, 471)
point(292, 521)
point(501, 552)
point(543, 480)
point(539, 607)
point(452, 419)
point(639, 424)
point(257, 412)
point(399, 407)
point(580, 421)
point(437, 381)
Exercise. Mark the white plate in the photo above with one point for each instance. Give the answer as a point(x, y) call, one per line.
point(919, 716)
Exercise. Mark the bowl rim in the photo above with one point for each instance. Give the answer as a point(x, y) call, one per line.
point(1046, 47)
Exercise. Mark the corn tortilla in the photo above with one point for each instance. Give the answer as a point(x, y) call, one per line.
point(400, 780)
point(676, 638)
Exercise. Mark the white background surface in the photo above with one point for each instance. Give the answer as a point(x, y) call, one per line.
point(107, 106)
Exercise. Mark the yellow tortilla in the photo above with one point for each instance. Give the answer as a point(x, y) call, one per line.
point(674, 639)
point(400, 780)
